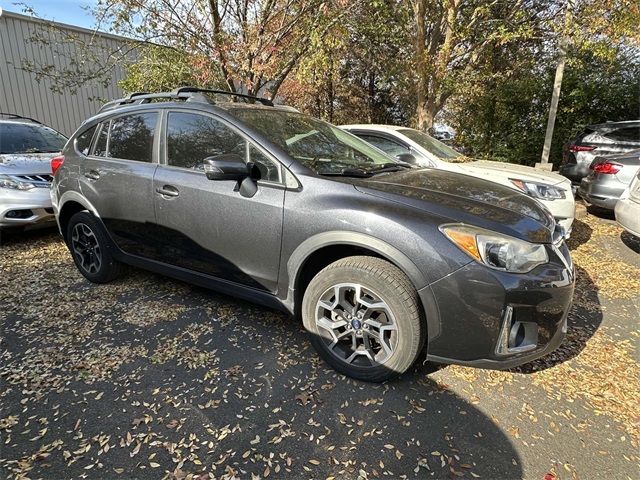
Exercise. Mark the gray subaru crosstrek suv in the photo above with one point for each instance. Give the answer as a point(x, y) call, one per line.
point(382, 261)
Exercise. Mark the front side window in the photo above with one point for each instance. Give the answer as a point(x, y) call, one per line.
point(388, 146)
point(17, 137)
point(131, 137)
point(192, 138)
point(325, 149)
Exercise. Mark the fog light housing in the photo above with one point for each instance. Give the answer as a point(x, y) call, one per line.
point(21, 214)
point(515, 336)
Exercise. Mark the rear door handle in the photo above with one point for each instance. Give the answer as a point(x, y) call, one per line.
point(168, 191)
point(92, 174)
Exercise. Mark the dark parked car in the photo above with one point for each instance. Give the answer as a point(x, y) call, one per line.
point(598, 140)
point(609, 178)
point(379, 259)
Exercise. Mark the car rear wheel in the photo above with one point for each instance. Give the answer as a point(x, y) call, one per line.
point(364, 318)
point(91, 249)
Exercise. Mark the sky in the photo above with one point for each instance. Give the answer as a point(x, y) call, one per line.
point(64, 11)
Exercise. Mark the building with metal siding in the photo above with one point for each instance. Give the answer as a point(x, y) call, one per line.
point(22, 93)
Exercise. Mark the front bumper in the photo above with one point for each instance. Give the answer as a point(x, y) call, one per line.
point(472, 323)
point(601, 193)
point(25, 208)
point(628, 215)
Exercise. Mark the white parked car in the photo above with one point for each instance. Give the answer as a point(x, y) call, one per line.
point(628, 208)
point(408, 144)
point(26, 150)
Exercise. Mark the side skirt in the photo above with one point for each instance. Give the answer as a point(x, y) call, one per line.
point(206, 281)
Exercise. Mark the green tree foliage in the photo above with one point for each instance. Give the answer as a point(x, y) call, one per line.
point(159, 69)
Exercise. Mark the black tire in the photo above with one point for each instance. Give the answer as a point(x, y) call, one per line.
point(108, 268)
point(385, 282)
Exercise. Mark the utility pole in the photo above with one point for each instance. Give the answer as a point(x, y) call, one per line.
point(563, 45)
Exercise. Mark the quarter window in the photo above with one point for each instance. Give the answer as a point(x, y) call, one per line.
point(83, 142)
point(131, 137)
point(191, 138)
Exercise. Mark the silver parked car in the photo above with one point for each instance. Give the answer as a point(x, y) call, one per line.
point(611, 138)
point(628, 208)
point(608, 178)
point(26, 150)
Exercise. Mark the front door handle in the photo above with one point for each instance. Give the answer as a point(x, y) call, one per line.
point(168, 191)
point(92, 174)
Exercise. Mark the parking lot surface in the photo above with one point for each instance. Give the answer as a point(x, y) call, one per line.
point(148, 377)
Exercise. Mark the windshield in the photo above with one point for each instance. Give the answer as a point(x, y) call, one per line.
point(436, 147)
point(28, 138)
point(316, 144)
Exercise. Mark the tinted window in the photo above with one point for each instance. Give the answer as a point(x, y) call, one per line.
point(388, 146)
point(28, 138)
point(131, 137)
point(319, 145)
point(100, 148)
point(83, 142)
point(192, 137)
point(627, 134)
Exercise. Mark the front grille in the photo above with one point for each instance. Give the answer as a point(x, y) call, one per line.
point(39, 180)
point(36, 178)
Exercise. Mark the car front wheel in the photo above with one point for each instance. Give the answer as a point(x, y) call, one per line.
point(364, 318)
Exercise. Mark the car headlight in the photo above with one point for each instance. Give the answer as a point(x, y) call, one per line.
point(497, 251)
point(8, 182)
point(541, 191)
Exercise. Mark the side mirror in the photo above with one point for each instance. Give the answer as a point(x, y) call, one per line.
point(407, 158)
point(227, 166)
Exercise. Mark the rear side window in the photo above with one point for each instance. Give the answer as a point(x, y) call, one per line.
point(131, 137)
point(83, 142)
point(626, 134)
point(28, 138)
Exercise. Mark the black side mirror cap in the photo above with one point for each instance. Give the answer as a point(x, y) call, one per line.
point(227, 166)
point(407, 158)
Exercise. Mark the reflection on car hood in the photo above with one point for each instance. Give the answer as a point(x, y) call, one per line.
point(488, 169)
point(26, 163)
point(467, 199)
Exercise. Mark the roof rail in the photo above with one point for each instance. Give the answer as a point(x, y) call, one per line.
point(264, 101)
point(193, 94)
point(141, 97)
point(15, 115)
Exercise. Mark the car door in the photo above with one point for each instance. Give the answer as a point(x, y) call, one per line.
point(117, 178)
point(208, 226)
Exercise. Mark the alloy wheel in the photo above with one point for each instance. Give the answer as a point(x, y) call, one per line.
point(356, 325)
point(86, 248)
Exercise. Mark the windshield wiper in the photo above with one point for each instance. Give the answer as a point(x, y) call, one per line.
point(348, 172)
point(389, 167)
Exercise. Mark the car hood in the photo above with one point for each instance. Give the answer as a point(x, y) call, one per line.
point(488, 169)
point(467, 199)
point(26, 163)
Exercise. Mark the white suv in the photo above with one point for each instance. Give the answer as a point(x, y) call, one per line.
point(26, 150)
point(551, 189)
